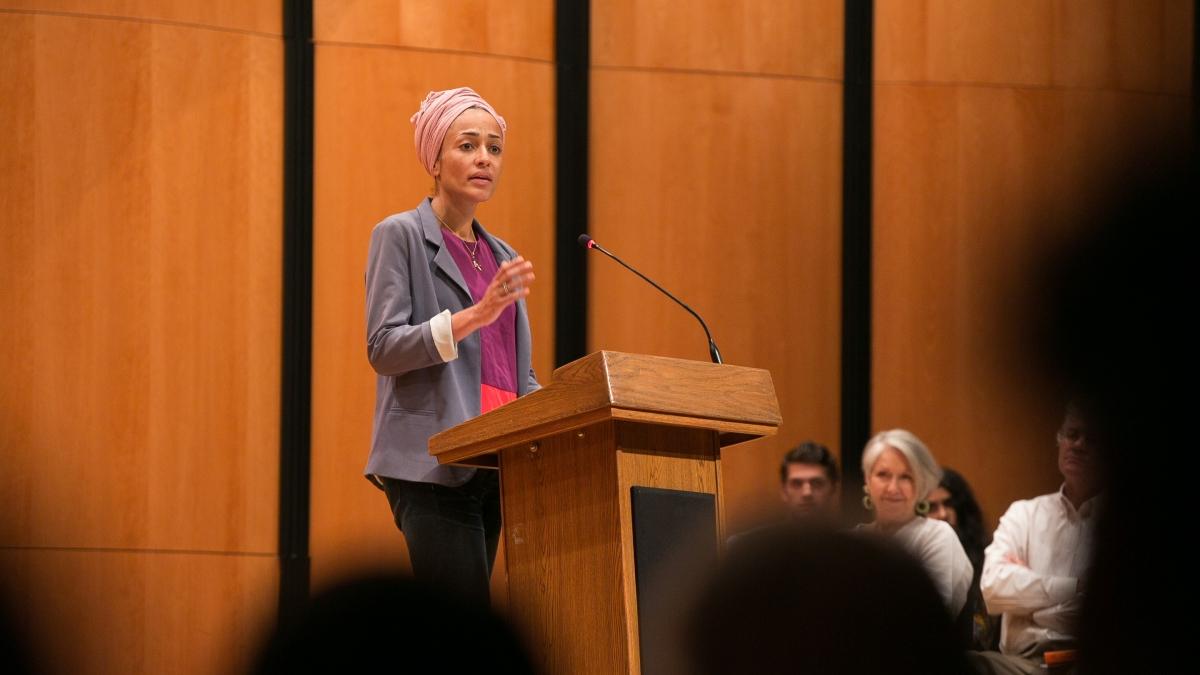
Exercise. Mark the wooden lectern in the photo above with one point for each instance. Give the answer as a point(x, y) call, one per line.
point(599, 470)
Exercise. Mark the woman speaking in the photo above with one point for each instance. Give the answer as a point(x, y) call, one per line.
point(448, 336)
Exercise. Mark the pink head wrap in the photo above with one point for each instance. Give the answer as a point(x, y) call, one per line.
point(438, 111)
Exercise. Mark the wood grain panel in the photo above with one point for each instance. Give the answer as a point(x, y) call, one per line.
point(760, 36)
point(119, 612)
point(140, 285)
point(262, 16)
point(520, 28)
point(1140, 45)
point(564, 552)
point(726, 190)
point(613, 385)
point(971, 183)
point(366, 169)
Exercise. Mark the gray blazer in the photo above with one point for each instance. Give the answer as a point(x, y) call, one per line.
point(410, 279)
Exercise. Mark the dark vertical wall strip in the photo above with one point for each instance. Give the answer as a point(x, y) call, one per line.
point(857, 123)
point(1195, 79)
point(295, 399)
point(572, 55)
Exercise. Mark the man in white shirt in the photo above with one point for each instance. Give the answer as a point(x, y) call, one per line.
point(1035, 570)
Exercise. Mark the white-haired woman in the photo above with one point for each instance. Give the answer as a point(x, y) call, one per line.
point(900, 471)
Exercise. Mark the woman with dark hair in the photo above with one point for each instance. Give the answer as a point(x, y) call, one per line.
point(954, 502)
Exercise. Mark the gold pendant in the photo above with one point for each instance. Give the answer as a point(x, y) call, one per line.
point(476, 264)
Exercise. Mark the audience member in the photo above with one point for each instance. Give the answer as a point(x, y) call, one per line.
point(954, 502)
point(813, 600)
point(1114, 303)
point(390, 623)
point(1034, 571)
point(809, 481)
point(899, 471)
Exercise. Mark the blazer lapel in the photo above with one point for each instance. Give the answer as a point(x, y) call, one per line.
point(502, 253)
point(441, 258)
point(497, 250)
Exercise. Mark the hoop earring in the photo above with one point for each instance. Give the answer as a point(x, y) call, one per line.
point(866, 500)
point(922, 507)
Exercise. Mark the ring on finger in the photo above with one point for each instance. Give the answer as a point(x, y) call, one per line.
point(504, 284)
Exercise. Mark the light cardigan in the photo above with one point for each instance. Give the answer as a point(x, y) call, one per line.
point(936, 546)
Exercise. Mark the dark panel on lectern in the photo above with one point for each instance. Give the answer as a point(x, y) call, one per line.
point(674, 534)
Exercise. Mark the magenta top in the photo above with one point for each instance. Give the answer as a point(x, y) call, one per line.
point(498, 341)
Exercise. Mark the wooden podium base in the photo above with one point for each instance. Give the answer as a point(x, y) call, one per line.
point(611, 496)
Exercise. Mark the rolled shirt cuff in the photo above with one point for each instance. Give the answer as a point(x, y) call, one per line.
point(443, 336)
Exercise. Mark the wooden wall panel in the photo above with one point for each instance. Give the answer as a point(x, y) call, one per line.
point(259, 16)
point(142, 286)
point(366, 169)
point(139, 290)
point(516, 28)
point(763, 37)
point(129, 612)
point(1141, 45)
point(726, 190)
point(989, 155)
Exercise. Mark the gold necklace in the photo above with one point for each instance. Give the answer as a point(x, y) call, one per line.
point(470, 251)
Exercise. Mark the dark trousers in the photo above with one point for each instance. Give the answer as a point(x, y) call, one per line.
point(452, 532)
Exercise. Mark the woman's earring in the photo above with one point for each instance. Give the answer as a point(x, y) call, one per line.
point(922, 507)
point(867, 504)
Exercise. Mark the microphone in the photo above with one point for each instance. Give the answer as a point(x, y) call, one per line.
point(713, 353)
